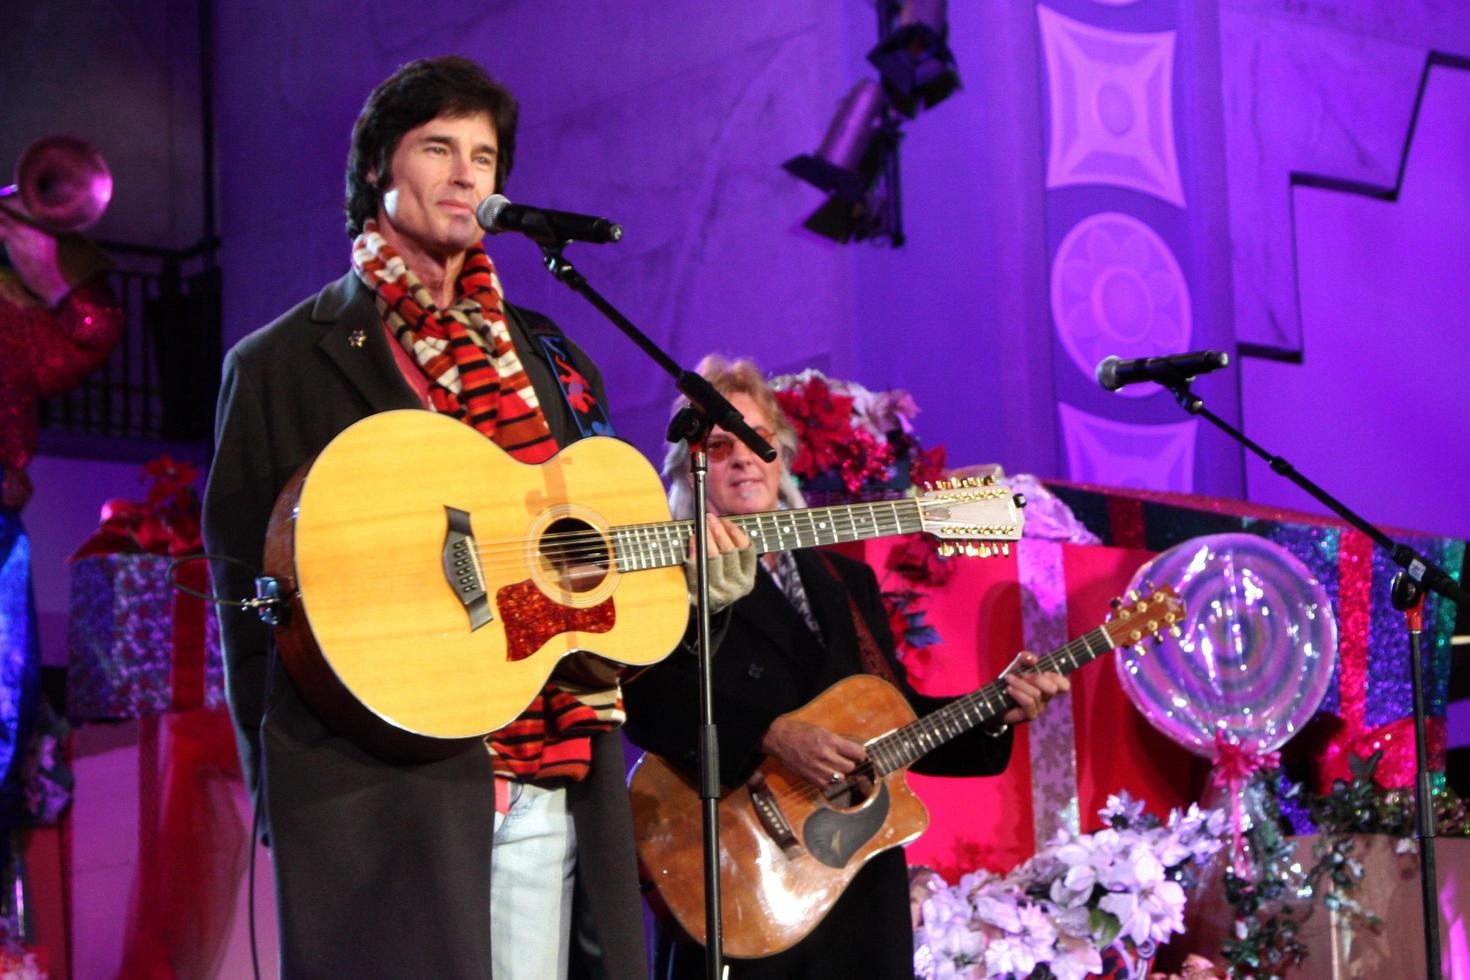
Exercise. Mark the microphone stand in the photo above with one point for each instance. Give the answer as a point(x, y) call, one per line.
point(1418, 574)
point(1408, 597)
point(707, 408)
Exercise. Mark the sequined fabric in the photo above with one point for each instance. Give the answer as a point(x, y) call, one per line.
point(19, 654)
point(44, 352)
point(1053, 737)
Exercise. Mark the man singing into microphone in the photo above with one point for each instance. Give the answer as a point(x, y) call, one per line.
point(471, 866)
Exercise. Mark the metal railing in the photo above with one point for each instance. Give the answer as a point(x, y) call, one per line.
point(160, 382)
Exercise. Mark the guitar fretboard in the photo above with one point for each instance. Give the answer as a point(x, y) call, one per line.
point(905, 746)
point(640, 546)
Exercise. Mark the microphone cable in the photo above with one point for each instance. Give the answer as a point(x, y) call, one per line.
point(263, 606)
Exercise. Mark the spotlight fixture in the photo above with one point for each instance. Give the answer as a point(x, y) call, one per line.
point(913, 53)
point(857, 165)
point(843, 164)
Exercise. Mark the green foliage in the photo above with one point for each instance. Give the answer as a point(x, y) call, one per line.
point(1104, 926)
point(1267, 920)
point(1265, 942)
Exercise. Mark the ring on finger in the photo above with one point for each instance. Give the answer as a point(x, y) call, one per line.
point(835, 778)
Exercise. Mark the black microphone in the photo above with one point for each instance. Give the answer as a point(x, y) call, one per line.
point(1114, 372)
point(496, 214)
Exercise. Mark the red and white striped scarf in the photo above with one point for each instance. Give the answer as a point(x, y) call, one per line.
point(465, 350)
point(476, 376)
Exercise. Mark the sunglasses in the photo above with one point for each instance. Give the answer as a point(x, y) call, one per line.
point(720, 445)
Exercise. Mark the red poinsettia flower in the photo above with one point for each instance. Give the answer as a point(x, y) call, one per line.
point(918, 560)
point(166, 523)
point(927, 465)
point(823, 423)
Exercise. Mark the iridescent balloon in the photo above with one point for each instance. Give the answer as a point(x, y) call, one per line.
point(1256, 651)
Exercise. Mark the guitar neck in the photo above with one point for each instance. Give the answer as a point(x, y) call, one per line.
point(640, 546)
point(905, 746)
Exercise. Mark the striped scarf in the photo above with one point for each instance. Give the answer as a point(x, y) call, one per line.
point(476, 376)
point(464, 350)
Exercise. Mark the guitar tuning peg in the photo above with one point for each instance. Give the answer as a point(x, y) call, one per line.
point(1135, 636)
point(1133, 595)
point(985, 551)
point(1175, 632)
point(928, 486)
point(946, 549)
point(987, 481)
point(1005, 548)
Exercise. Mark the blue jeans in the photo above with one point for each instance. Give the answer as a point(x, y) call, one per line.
point(531, 873)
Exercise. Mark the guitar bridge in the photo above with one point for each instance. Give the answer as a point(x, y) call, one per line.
point(462, 567)
point(773, 820)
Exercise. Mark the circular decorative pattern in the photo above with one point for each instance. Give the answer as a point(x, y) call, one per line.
point(1257, 650)
point(1116, 288)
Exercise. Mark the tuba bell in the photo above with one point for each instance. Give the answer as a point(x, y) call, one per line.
point(62, 182)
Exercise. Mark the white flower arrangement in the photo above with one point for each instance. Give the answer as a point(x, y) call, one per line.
point(1122, 888)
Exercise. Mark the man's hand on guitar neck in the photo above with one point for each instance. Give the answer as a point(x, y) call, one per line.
point(731, 563)
point(1031, 691)
point(813, 753)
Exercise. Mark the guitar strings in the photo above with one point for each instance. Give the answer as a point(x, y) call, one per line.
point(663, 544)
point(632, 547)
point(669, 535)
point(904, 739)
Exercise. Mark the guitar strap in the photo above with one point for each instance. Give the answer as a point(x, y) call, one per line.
point(588, 413)
point(872, 656)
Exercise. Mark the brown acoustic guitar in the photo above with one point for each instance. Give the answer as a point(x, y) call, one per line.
point(788, 849)
point(436, 582)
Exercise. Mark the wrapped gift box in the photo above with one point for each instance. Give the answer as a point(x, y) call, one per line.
point(1339, 948)
point(1372, 687)
point(137, 646)
point(1095, 743)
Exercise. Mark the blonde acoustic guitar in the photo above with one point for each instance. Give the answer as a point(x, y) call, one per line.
point(788, 849)
point(436, 582)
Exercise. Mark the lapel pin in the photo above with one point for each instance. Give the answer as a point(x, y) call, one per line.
point(357, 338)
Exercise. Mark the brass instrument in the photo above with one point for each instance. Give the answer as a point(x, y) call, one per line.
point(62, 182)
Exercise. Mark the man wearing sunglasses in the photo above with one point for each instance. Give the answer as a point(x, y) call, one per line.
point(799, 631)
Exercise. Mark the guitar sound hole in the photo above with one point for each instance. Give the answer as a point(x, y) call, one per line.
point(574, 554)
point(853, 792)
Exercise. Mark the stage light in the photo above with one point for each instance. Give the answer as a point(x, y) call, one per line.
point(846, 163)
point(913, 54)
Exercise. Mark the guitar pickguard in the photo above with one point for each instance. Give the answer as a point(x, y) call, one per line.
point(834, 836)
point(530, 618)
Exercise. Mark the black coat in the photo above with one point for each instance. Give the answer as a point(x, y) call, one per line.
point(382, 870)
point(769, 663)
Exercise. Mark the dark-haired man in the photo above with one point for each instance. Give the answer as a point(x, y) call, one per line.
point(451, 868)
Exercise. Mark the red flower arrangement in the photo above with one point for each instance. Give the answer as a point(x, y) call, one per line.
point(854, 444)
point(167, 523)
point(830, 441)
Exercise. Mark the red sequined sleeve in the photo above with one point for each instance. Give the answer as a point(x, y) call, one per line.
point(70, 343)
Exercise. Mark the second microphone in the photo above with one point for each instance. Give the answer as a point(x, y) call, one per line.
point(497, 214)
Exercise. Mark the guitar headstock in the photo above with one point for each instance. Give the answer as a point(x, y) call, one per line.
point(1145, 615)
point(983, 516)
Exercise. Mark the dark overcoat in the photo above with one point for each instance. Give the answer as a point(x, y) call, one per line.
point(382, 870)
point(769, 663)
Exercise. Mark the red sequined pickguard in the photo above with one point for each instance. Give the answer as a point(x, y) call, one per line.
point(530, 618)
